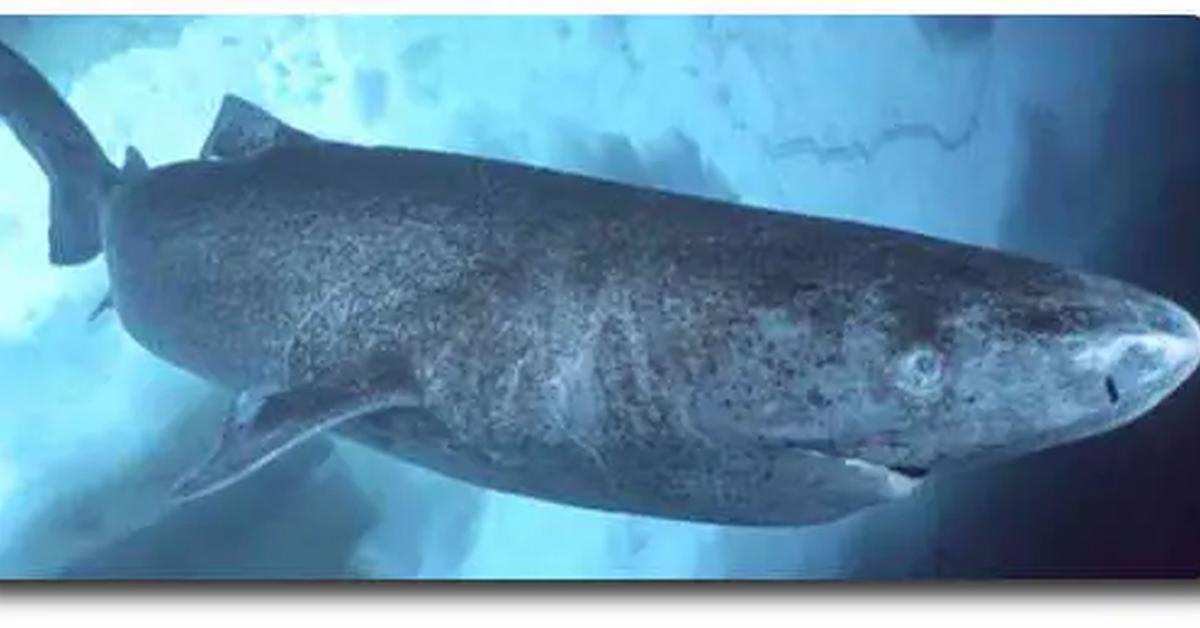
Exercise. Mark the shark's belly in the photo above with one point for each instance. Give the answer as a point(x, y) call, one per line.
point(563, 439)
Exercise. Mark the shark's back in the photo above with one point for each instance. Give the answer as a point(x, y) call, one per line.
point(226, 267)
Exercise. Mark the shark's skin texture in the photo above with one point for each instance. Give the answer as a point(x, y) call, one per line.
point(609, 346)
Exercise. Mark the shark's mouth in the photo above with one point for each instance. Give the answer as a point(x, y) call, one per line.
point(910, 472)
point(828, 449)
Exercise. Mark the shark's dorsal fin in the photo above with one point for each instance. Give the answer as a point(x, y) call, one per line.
point(135, 165)
point(243, 129)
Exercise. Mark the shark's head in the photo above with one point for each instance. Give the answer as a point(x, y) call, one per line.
point(1007, 356)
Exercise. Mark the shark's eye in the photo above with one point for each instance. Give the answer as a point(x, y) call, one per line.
point(919, 372)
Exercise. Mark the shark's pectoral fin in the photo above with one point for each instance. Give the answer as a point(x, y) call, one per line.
point(264, 425)
point(242, 129)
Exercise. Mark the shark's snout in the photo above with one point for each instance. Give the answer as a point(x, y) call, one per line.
point(1167, 354)
point(1150, 359)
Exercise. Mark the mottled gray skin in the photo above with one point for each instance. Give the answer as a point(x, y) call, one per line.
point(617, 347)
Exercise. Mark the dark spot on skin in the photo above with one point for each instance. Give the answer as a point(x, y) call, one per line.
point(817, 399)
point(1111, 387)
point(827, 360)
point(1062, 319)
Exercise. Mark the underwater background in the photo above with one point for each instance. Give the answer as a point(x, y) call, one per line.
point(1075, 140)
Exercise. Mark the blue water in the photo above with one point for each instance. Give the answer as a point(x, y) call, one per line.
point(997, 132)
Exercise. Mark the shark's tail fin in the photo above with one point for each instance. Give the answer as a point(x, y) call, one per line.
point(80, 175)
